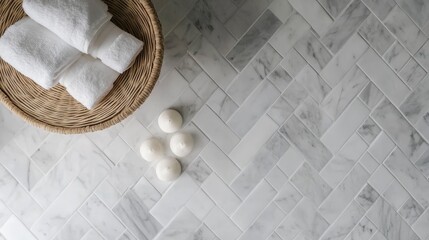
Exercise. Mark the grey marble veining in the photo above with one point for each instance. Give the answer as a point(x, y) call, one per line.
point(310, 121)
point(345, 25)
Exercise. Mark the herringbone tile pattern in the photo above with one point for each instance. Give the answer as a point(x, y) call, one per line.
point(311, 121)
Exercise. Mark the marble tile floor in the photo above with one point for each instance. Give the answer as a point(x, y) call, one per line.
point(311, 120)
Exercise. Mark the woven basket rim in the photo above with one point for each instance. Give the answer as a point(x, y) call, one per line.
point(154, 75)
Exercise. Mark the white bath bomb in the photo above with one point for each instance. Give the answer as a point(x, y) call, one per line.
point(152, 150)
point(170, 121)
point(181, 144)
point(168, 169)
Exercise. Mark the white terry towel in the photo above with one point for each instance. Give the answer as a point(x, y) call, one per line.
point(88, 80)
point(115, 47)
point(36, 52)
point(75, 21)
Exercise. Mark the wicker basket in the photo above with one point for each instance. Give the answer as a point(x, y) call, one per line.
point(55, 110)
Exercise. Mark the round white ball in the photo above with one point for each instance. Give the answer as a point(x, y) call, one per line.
point(170, 121)
point(181, 144)
point(168, 169)
point(151, 150)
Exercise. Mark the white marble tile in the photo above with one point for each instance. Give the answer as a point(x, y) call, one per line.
point(293, 62)
point(204, 20)
point(75, 228)
point(417, 10)
point(21, 166)
point(203, 233)
point(116, 150)
point(280, 111)
point(245, 16)
point(220, 163)
point(222, 9)
point(282, 9)
point(222, 104)
point(136, 217)
point(80, 156)
point(10, 125)
point(203, 86)
point(315, 15)
point(369, 130)
point(313, 51)
point(367, 196)
point(380, 7)
point(221, 194)
point(291, 161)
point(313, 83)
point(344, 60)
point(334, 7)
point(108, 194)
point(409, 176)
point(362, 231)
point(401, 132)
point(423, 163)
point(339, 166)
point(381, 147)
point(30, 138)
point(416, 103)
point(212, 62)
point(422, 56)
point(253, 40)
point(264, 224)
point(396, 56)
point(412, 73)
point(5, 213)
point(215, 129)
point(127, 236)
point(310, 184)
point(311, 147)
point(92, 235)
point(23, 206)
point(56, 215)
point(405, 30)
point(55, 146)
point(134, 133)
point(381, 179)
point(181, 228)
point(368, 162)
point(396, 195)
point(345, 25)
point(295, 94)
point(289, 33)
point(411, 211)
point(345, 223)
point(342, 94)
point(371, 95)
point(253, 205)
point(189, 68)
point(420, 226)
point(174, 199)
point(254, 107)
point(200, 204)
point(383, 77)
point(253, 74)
point(304, 219)
point(127, 172)
point(221, 225)
point(261, 164)
point(353, 116)
point(146, 192)
point(101, 218)
point(287, 198)
point(199, 170)
point(172, 13)
point(280, 78)
point(377, 35)
point(13, 229)
point(276, 178)
point(340, 197)
point(389, 222)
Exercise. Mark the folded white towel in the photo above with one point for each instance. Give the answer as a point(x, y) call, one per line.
point(36, 52)
point(115, 47)
point(75, 21)
point(88, 80)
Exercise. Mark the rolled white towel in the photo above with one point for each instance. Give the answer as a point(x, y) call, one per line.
point(115, 47)
point(88, 80)
point(75, 21)
point(36, 52)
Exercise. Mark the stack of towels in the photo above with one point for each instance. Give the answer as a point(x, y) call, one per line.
point(71, 42)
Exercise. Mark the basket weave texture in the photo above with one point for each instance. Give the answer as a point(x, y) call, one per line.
point(55, 110)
